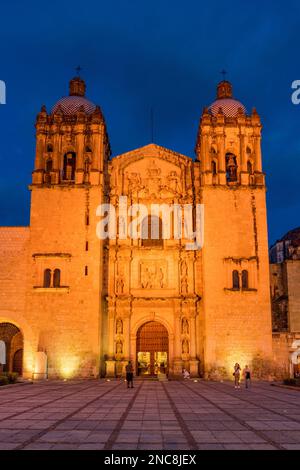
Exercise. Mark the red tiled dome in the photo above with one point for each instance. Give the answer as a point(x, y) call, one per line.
point(229, 107)
point(228, 104)
point(76, 99)
point(71, 104)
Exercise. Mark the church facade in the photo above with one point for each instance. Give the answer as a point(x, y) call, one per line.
point(76, 304)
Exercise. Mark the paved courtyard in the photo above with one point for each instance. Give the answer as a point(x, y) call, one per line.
point(153, 415)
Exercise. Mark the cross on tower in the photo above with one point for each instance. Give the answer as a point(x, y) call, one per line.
point(78, 70)
point(223, 72)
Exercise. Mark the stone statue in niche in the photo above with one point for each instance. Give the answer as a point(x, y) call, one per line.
point(119, 326)
point(184, 268)
point(185, 326)
point(146, 279)
point(119, 347)
point(120, 282)
point(185, 347)
point(119, 285)
point(184, 286)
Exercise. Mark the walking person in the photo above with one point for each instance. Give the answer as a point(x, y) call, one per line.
point(129, 374)
point(237, 375)
point(247, 376)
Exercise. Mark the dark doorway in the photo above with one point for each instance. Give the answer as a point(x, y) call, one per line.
point(13, 340)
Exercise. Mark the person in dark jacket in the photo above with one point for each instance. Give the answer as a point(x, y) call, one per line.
point(129, 375)
point(247, 376)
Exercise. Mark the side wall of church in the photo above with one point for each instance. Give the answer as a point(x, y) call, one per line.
point(67, 319)
point(14, 246)
point(237, 322)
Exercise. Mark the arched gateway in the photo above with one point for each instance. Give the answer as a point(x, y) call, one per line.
point(152, 348)
point(11, 339)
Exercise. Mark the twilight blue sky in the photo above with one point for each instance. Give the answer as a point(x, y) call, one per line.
point(161, 53)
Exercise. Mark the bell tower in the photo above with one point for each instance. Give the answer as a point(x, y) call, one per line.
point(71, 142)
point(69, 182)
point(228, 145)
point(236, 319)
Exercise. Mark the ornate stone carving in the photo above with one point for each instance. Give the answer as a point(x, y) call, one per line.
point(153, 274)
point(184, 277)
point(134, 183)
point(174, 182)
point(156, 180)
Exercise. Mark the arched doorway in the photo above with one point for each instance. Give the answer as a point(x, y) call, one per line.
point(12, 338)
point(152, 348)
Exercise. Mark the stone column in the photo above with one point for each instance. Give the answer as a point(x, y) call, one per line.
point(206, 153)
point(193, 361)
point(110, 363)
point(222, 163)
point(257, 150)
point(243, 160)
point(97, 158)
point(79, 153)
point(40, 144)
point(177, 362)
point(126, 336)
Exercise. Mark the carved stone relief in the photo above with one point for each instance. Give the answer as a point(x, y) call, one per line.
point(153, 274)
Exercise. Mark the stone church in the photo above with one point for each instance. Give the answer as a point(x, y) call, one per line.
point(73, 304)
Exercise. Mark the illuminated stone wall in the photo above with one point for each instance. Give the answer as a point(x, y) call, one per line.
point(88, 324)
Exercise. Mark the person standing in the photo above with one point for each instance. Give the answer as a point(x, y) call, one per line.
point(129, 374)
point(237, 375)
point(247, 376)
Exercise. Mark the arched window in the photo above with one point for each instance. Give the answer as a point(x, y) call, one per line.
point(245, 279)
point(88, 149)
point(235, 280)
point(56, 278)
point(69, 166)
point(249, 167)
point(49, 148)
point(214, 167)
point(231, 168)
point(47, 278)
point(151, 231)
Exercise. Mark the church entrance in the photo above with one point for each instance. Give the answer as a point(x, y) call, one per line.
point(152, 346)
point(11, 348)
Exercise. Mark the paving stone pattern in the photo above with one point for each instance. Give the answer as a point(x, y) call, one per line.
point(90, 415)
